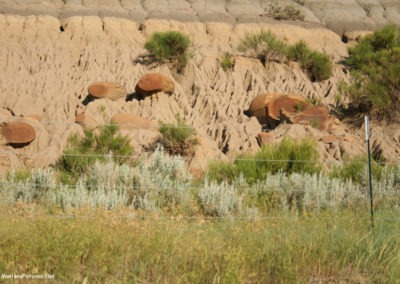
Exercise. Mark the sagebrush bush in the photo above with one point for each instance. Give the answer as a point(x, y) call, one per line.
point(375, 67)
point(163, 185)
point(264, 45)
point(289, 156)
point(179, 138)
point(219, 200)
point(172, 47)
point(82, 152)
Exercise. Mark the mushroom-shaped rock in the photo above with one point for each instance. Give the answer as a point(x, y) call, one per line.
point(289, 103)
point(110, 90)
point(132, 121)
point(18, 133)
point(317, 117)
point(258, 106)
point(153, 83)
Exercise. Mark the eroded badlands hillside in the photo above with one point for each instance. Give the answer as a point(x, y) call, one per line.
point(48, 62)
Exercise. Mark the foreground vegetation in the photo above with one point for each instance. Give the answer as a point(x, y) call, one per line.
point(106, 247)
point(266, 218)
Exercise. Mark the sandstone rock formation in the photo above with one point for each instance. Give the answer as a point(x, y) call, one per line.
point(265, 138)
point(338, 15)
point(109, 90)
point(48, 62)
point(132, 121)
point(153, 83)
point(86, 121)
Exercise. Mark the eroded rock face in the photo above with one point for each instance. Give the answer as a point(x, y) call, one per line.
point(109, 90)
point(153, 83)
point(132, 121)
point(18, 133)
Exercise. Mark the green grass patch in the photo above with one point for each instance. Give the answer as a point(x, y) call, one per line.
point(226, 61)
point(84, 151)
point(105, 248)
point(179, 138)
point(289, 156)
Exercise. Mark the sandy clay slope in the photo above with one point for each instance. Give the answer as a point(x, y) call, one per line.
point(47, 64)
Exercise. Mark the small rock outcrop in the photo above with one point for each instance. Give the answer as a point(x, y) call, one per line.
point(132, 121)
point(18, 133)
point(153, 83)
point(86, 121)
point(109, 90)
point(265, 138)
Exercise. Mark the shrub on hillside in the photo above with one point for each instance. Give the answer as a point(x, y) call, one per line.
point(178, 139)
point(84, 151)
point(172, 47)
point(318, 65)
point(289, 156)
point(375, 67)
point(264, 46)
point(226, 61)
point(286, 13)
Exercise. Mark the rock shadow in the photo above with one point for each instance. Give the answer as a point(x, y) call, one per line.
point(134, 96)
point(89, 98)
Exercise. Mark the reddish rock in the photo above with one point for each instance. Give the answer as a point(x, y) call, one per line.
point(265, 138)
point(153, 83)
point(290, 104)
point(317, 117)
point(110, 90)
point(18, 132)
point(258, 109)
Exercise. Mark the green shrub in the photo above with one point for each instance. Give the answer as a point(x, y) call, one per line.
point(375, 67)
point(178, 139)
point(172, 47)
point(84, 151)
point(318, 65)
point(355, 169)
point(289, 156)
point(226, 61)
point(264, 46)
